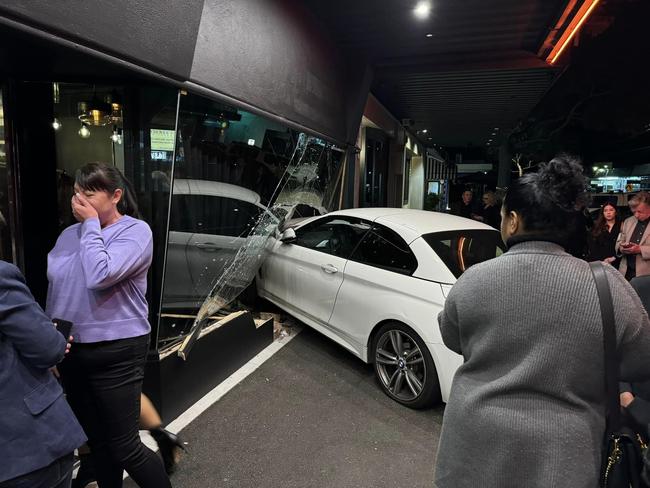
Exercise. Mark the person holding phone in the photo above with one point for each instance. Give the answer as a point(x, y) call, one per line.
point(98, 280)
point(633, 243)
point(38, 431)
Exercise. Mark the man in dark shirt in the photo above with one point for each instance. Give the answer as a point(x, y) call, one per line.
point(633, 243)
point(466, 207)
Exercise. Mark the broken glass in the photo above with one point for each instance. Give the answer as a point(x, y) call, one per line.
point(309, 186)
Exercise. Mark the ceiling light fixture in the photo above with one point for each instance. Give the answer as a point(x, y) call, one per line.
point(422, 9)
point(429, 34)
point(580, 18)
point(424, 131)
point(95, 112)
point(56, 124)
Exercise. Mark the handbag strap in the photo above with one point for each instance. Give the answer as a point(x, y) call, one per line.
point(609, 343)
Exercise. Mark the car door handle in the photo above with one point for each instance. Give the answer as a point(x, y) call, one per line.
point(328, 268)
point(207, 246)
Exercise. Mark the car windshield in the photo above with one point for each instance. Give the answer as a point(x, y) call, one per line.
point(460, 249)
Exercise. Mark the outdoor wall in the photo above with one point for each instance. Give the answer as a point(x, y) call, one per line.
point(270, 55)
point(416, 186)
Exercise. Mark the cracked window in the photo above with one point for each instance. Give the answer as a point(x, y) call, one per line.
point(238, 177)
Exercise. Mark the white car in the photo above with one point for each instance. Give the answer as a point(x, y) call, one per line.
point(374, 280)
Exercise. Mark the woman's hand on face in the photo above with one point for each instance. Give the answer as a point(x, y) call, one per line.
point(626, 398)
point(81, 208)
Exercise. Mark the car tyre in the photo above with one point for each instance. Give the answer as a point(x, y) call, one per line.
point(404, 367)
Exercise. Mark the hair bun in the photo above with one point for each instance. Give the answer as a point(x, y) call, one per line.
point(563, 183)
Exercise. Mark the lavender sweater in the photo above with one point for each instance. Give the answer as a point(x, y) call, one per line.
point(98, 279)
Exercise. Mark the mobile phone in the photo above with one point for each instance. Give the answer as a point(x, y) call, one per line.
point(63, 326)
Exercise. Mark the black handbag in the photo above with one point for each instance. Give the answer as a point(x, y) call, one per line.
point(623, 450)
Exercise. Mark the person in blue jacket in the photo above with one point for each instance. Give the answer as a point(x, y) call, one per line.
point(38, 431)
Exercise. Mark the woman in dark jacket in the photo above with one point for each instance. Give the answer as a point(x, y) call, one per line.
point(602, 237)
point(38, 431)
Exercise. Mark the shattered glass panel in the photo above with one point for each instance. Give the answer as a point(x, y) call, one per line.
point(305, 183)
point(237, 178)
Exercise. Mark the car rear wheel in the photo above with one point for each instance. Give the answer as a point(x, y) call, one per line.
point(404, 367)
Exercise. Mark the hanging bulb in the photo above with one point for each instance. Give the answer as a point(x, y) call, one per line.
point(84, 132)
point(116, 137)
point(56, 124)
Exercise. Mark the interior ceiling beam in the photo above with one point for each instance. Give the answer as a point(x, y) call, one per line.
point(503, 60)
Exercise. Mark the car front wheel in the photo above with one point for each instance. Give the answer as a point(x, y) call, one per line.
point(404, 367)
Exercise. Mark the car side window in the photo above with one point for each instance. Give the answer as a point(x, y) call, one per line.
point(206, 214)
point(383, 248)
point(333, 235)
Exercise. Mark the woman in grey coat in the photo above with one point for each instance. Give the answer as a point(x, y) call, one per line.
point(527, 407)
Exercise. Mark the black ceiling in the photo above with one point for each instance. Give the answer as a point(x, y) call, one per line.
point(479, 70)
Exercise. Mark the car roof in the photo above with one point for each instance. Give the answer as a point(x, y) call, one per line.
point(410, 223)
point(214, 189)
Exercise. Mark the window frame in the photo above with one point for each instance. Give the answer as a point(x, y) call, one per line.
point(324, 220)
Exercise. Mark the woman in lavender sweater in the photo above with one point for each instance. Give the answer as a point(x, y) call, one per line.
point(98, 280)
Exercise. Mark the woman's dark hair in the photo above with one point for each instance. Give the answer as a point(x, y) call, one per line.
point(601, 224)
point(103, 177)
point(549, 200)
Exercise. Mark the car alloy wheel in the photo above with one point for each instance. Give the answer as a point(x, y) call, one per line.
point(404, 366)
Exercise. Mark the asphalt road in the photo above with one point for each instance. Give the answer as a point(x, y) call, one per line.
point(311, 416)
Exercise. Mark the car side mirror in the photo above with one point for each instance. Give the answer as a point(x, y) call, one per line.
point(288, 236)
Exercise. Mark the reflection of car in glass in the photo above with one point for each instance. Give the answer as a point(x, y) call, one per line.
point(374, 280)
point(209, 222)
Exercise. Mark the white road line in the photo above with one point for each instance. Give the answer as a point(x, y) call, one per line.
point(210, 398)
point(184, 419)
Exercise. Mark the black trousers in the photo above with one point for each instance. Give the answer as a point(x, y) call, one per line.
point(103, 382)
point(56, 475)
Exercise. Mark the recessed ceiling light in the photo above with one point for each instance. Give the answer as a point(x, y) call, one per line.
point(424, 131)
point(496, 128)
point(422, 9)
point(429, 34)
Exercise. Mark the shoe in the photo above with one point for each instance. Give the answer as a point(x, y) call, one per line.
point(170, 446)
point(86, 474)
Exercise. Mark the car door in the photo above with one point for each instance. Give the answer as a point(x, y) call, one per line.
point(313, 265)
point(378, 283)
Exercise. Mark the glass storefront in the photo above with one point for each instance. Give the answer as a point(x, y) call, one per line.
point(213, 182)
point(237, 176)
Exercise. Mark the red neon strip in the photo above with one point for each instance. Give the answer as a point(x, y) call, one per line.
point(581, 17)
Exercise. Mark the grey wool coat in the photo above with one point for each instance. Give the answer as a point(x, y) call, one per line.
point(527, 406)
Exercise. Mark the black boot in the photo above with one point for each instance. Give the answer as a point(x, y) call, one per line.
point(170, 446)
point(86, 472)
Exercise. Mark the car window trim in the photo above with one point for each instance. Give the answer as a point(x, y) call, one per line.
point(327, 218)
point(385, 268)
